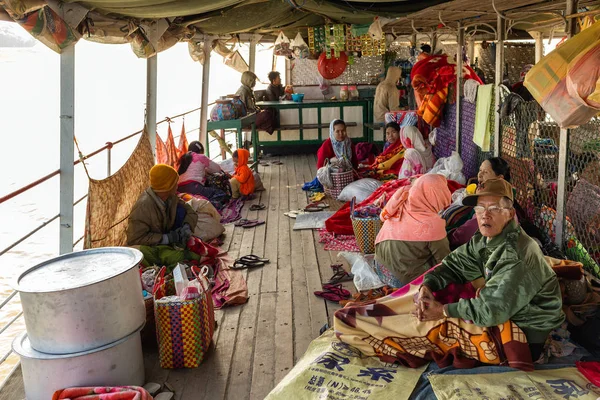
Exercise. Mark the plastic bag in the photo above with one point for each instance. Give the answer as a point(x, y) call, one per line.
point(282, 46)
point(450, 167)
point(562, 81)
point(299, 47)
point(361, 189)
point(365, 277)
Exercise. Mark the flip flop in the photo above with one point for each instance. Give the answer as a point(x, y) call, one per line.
point(312, 208)
point(243, 221)
point(252, 257)
point(252, 224)
point(340, 275)
point(337, 289)
point(239, 264)
point(329, 296)
point(276, 162)
point(256, 207)
point(294, 213)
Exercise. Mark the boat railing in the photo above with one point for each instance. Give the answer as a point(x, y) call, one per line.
point(108, 147)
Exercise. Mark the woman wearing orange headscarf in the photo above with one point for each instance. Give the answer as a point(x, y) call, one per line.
point(413, 236)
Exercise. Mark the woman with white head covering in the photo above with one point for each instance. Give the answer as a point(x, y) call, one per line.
point(418, 157)
point(339, 145)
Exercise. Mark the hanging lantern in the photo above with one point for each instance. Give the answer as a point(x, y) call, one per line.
point(331, 68)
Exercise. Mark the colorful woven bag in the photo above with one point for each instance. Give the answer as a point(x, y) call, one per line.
point(184, 328)
point(365, 230)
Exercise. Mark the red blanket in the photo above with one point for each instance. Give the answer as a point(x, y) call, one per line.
point(339, 223)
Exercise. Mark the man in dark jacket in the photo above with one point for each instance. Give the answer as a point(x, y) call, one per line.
point(275, 90)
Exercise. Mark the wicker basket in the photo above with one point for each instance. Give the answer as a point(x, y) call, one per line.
point(340, 181)
point(365, 230)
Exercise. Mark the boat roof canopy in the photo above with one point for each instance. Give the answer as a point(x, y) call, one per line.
point(162, 23)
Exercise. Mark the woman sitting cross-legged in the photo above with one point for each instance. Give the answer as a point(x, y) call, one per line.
point(194, 167)
point(413, 236)
point(339, 145)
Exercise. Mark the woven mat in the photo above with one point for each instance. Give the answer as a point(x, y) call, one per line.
point(338, 242)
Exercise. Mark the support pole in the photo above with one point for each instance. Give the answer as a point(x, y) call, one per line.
point(459, 84)
point(252, 60)
point(500, 34)
point(471, 50)
point(204, 100)
point(67, 148)
point(433, 41)
point(563, 148)
point(539, 45)
point(151, 87)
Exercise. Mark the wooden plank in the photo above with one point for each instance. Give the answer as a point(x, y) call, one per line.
point(284, 345)
point(214, 376)
point(240, 377)
point(270, 243)
point(301, 313)
point(318, 312)
point(263, 370)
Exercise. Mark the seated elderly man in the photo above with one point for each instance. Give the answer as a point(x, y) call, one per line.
point(519, 284)
point(159, 217)
point(517, 303)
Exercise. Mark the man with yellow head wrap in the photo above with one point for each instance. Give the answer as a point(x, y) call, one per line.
point(159, 216)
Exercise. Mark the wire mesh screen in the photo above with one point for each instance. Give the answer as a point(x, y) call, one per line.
point(530, 146)
point(445, 139)
point(469, 150)
point(583, 195)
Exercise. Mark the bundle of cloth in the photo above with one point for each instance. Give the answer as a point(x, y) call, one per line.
point(430, 78)
point(340, 223)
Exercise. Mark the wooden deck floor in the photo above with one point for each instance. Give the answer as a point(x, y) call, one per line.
point(256, 344)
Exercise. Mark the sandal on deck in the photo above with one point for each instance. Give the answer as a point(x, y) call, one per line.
point(244, 221)
point(252, 257)
point(329, 296)
point(294, 213)
point(338, 289)
point(252, 224)
point(339, 275)
point(256, 207)
point(240, 264)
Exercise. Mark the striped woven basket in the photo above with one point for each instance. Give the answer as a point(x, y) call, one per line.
point(340, 181)
point(184, 329)
point(365, 230)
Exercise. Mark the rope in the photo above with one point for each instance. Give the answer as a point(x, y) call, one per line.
point(81, 158)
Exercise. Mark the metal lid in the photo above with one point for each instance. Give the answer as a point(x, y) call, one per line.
point(78, 269)
point(22, 346)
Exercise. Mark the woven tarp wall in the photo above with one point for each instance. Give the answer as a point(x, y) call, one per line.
point(110, 200)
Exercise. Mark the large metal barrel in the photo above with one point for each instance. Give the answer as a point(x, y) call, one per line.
point(83, 300)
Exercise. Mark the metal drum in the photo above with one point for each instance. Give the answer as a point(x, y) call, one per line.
point(83, 300)
point(118, 364)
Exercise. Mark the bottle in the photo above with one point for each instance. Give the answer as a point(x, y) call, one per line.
point(344, 93)
point(353, 92)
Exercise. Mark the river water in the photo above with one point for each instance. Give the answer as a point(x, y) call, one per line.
point(109, 104)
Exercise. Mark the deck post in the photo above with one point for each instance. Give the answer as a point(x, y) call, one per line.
point(500, 34)
point(67, 148)
point(539, 45)
point(459, 83)
point(252, 59)
point(563, 149)
point(151, 96)
point(433, 43)
point(471, 50)
point(204, 99)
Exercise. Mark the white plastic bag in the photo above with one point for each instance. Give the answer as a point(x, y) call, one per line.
point(365, 277)
point(361, 189)
point(282, 46)
point(450, 167)
point(299, 47)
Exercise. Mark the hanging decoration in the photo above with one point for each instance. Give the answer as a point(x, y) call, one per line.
point(332, 67)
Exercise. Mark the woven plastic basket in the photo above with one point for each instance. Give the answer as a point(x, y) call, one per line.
point(340, 181)
point(365, 230)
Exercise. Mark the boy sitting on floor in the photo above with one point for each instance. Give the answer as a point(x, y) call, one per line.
point(242, 182)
